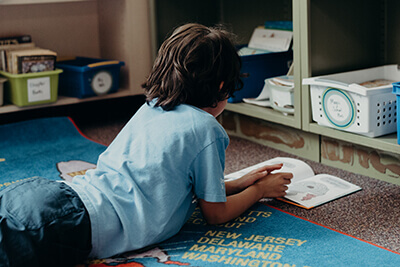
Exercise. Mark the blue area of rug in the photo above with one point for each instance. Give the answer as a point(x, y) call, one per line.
point(50, 148)
point(263, 236)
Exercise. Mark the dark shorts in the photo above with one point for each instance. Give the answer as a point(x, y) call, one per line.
point(43, 223)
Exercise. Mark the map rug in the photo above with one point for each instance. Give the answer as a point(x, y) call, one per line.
point(263, 236)
point(52, 148)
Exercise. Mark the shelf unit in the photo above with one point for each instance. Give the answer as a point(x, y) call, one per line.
point(242, 18)
point(110, 29)
point(24, 2)
point(329, 37)
point(269, 114)
point(339, 36)
point(63, 101)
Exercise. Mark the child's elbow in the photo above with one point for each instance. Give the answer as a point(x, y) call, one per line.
point(214, 219)
point(213, 212)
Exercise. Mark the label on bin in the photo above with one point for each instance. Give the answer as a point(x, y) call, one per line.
point(38, 89)
point(102, 82)
point(338, 107)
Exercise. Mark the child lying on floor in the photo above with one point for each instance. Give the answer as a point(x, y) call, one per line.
point(169, 158)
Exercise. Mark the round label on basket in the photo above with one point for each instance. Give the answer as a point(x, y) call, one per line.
point(102, 82)
point(338, 107)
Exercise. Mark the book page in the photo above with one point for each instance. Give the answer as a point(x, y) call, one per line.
point(319, 189)
point(299, 168)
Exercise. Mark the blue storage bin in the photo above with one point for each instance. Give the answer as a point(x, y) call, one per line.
point(396, 91)
point(85, 77)
point(256, 68)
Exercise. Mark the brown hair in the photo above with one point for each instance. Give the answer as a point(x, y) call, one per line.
point(190, 66)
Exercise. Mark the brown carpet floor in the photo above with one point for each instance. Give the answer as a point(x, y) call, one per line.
point(372, 214)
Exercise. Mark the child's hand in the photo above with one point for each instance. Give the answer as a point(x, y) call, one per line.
point(275, 184)
point(257, 174)
point(245, 191)
point(238, 185)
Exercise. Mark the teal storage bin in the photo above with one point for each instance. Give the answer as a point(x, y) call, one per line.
point(85, 77)
point(396, 91)
point(256, 68)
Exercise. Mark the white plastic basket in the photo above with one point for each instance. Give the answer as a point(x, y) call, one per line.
point(342, 101)
point(281, 89)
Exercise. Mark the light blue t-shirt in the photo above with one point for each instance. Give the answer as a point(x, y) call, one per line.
point(146, 182)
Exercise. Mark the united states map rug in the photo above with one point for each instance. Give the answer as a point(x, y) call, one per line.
point(262, 236)
point(51, 147)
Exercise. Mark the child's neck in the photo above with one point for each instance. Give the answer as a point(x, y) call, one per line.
point(218, 109)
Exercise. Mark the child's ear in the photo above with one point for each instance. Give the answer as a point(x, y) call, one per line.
point(221, 85)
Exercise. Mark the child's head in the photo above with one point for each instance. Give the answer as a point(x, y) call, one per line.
point(190, 67)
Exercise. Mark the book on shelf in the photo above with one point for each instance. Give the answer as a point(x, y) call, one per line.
point(35, 60)
point(22, 61)
point(5, 49)
point(19, 55)
point(306, 190)
point(17, 39)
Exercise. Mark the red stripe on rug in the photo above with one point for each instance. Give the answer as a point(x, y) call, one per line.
point(81, 133)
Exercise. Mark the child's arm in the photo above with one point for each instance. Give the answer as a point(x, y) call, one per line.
point(252, 187)
point(238, 185)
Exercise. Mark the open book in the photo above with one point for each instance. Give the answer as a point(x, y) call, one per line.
point(306, 190)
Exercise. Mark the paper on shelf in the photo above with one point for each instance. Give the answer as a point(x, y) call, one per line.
point(258, 102)
point(261, 100)
point(271, 40)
